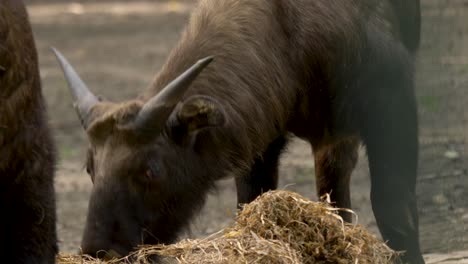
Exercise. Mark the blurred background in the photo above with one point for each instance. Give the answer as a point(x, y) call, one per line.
point(117, 47)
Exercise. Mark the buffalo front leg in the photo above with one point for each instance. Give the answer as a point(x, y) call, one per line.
point(334, 164)
point(263, 176)
point(391, 138)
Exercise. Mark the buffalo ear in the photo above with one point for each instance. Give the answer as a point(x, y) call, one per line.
point(200, 112)
point(195, 114)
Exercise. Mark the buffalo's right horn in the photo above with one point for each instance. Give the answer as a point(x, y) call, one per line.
point(83, 98)
point(156, 111)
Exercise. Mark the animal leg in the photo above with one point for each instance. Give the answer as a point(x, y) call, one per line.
point(263, 176)
point(390, 134)
point(334, 164)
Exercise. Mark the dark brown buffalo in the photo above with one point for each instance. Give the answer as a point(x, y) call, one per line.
point(335, 73)
point(27, 157)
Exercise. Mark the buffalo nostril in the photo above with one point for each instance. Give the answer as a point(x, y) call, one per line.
point(111, 254)
point(93, 250)
point(104, 252)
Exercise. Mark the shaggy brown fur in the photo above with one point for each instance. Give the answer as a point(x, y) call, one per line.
point(27, 199)
point(335, 73)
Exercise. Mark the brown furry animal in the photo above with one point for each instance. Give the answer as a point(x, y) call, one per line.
point(335, 73)
point(27, 157)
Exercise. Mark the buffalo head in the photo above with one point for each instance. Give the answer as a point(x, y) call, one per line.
point(146, 161)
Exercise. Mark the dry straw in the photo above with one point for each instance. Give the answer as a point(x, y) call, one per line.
point(278, 227)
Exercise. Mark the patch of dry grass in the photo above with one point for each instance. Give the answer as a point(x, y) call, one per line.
point(278, 227)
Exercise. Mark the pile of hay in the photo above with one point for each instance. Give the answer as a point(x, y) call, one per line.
point(278, 227)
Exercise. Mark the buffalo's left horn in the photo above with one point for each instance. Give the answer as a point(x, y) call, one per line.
point(83, 97)
point(154, 114)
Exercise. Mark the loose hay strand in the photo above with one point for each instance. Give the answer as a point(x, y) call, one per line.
point(278, 227)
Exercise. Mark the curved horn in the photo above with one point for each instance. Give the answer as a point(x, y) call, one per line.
point(156, 111)
point(82, 96)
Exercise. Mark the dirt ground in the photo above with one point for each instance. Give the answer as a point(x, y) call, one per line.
point(118, 46)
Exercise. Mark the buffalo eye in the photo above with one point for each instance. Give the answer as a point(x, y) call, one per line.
point(2, 70)
point(149, 174)
point(89, 170)
point(153, 172)
point(90, 165)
